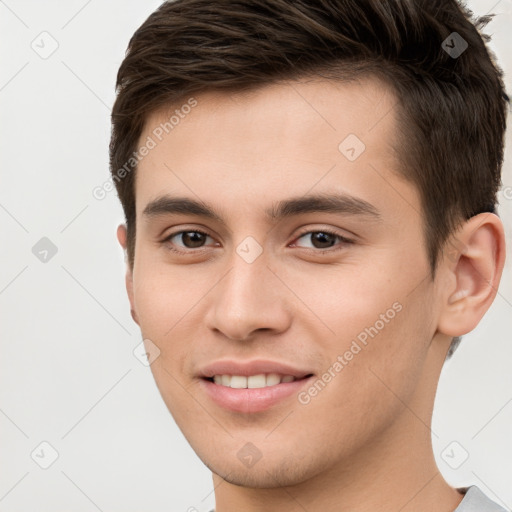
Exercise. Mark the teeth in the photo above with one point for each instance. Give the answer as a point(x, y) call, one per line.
point(273, 379)
point(238, 381)
point(253, 381)
point(256, 381)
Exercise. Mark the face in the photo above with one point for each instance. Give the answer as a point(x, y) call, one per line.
point(306, 259)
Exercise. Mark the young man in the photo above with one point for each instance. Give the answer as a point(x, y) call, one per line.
point(310, 191)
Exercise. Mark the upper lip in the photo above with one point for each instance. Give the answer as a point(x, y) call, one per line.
point(254, 367)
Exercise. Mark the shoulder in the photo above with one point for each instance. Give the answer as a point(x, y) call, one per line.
point(476, 501)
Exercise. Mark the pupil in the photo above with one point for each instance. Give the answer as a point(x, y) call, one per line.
point(192, 239)
point(323, 238)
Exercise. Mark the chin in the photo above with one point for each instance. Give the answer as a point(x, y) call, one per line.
point(278, 472)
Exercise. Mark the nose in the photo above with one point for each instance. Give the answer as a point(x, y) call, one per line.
point(249, 299)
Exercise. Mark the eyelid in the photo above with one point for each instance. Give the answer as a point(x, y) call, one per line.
point(330, 231)
point(323, 229)
point(185, 230)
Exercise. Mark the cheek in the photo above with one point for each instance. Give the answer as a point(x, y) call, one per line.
point(345, 299)
point(377, 323)
point(168, 302)
point(162, 297)
point(163, 305)
point(377, 378)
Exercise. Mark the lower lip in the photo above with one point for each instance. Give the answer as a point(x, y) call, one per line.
point(251, 400)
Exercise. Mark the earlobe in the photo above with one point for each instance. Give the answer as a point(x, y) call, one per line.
point(474, 271)
point(129, 290)
point(121, 235)
point(122, 238)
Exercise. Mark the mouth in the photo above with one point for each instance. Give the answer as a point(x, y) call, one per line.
point(258, 381)
point(247, 394)
point(249, 386)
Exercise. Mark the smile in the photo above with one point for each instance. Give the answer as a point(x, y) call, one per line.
point(252, 381)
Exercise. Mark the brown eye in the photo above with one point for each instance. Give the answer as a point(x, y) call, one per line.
point(192, 239)
point(323, 239)
point(188, 239)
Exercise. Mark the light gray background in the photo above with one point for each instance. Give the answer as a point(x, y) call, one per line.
point(68, 373)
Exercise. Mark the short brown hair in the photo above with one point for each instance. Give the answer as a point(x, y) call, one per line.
point(452, 108)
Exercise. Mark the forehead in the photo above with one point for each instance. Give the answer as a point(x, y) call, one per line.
point(282, 139)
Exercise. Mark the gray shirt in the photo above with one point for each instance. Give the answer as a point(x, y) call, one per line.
point(474, 501)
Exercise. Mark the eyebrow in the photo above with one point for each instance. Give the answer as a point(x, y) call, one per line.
point(331, 203)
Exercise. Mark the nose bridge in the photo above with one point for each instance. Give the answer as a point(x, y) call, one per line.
point(245, 299)
point(247, 281)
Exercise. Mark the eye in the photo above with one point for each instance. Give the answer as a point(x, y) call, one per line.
point(186, 240)
point(324, 239)
point(192, 239)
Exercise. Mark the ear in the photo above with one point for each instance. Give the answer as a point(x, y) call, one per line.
point(122, 238)
point(473, 262)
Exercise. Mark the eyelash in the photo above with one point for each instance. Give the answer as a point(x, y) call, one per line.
point(343, 239)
